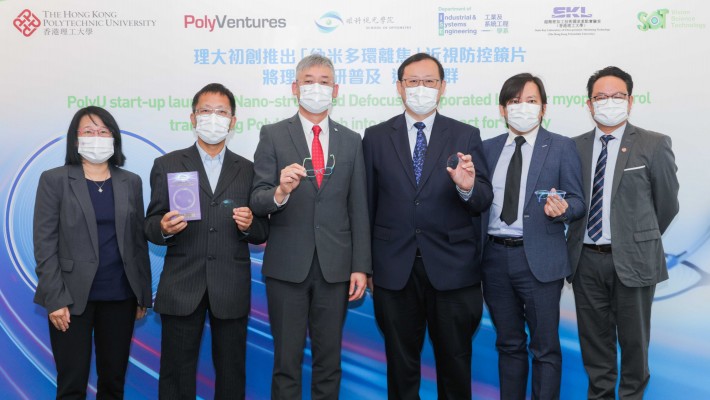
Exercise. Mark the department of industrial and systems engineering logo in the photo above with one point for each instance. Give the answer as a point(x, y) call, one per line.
point(329, 22)
point(27, 22)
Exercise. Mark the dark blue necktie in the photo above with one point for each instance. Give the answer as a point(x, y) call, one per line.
point(419, 151)
point(594, 226)
point(511, 195)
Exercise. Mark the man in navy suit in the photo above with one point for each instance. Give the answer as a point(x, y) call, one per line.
point(425, 220)
point(525, 256)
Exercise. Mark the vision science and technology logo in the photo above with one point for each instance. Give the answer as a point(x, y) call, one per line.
point(662, 18)
point(211, 23)
point(75, 22)
point(577, 20)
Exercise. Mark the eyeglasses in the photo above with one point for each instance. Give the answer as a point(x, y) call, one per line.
point(430, 83)
point(312, 172)
point(219, 111)
point(101, 131)
point(616, 98)
point(313, 81)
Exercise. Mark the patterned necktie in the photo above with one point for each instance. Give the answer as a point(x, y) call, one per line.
point(594, 226)
point(317, 155)
point(419, 151)
point(511, 195)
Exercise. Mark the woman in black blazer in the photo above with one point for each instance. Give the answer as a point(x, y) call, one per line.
point(92, 257)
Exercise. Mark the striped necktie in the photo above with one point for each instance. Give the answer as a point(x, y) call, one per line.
point(594, 226)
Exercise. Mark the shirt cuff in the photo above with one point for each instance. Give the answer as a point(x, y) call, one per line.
point(465, 195)
point(283, 203)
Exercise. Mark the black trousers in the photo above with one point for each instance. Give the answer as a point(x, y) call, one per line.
point(452, 317)
point(315, 305)
point(180, 345)
point(111, 324)
point(515, 298)
point(608, 310)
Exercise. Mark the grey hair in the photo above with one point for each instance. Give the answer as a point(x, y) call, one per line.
point(313, 60)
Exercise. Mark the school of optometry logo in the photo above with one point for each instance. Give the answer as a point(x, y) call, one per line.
point(27, 22)
point(329, 22)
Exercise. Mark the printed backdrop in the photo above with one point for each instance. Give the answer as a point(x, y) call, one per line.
point(143, 61)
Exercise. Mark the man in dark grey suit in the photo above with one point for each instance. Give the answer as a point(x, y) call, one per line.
point(616, 251)
point(310, 178)
point(207, 266)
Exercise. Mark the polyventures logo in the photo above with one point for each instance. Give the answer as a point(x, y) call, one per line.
point(27, 22)
point(224, 21)
point(329, 22)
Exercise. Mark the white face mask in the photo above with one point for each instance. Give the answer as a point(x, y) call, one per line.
point(610, 114)
point(315, 98)
point(523, 117)
point(212, 128)
point(421, 99)
point(95, 149)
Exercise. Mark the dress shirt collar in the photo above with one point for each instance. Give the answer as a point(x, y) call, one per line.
point(530, 137)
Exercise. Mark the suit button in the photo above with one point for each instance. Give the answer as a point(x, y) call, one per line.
point(210, 258)
point(317, 226)
point(417, 231)
point(416, 202)
point(213, 204)
point(213, 230)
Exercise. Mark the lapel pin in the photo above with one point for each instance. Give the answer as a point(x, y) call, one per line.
point(623, 149)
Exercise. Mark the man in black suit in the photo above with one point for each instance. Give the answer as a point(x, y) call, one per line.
point(310, 178)
point(425, 220)
point(207, 266)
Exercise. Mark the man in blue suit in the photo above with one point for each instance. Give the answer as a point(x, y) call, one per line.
point(525, 256)
point(425, 220)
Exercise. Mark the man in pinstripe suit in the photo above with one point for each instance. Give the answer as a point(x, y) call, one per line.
point(207, 266)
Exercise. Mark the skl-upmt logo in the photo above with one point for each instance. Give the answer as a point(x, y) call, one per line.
point(329, 22)
point(570, 12)
point(654, 20)
point(27, 22)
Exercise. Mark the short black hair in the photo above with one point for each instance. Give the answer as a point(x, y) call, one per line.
point(610, 71)
point(419, 57)
point(73, 157)
point(215, 88)
point(515, 84)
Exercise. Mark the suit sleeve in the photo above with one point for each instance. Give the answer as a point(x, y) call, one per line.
point(371, 176)
point(159, 205)
point(571, 182)
point(664, 184)
point(266, 177)
point(51, 291)
point(357, 210)
point(141, 247)
point(482, 195)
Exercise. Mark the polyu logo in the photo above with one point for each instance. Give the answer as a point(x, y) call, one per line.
point(329, 22)
point(27, 22)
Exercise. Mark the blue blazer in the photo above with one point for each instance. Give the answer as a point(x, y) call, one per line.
point(430, 217)
point(555, 163)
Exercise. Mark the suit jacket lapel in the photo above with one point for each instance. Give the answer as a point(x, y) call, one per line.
point(230, 169)
point(627, 141)
point(400, 140)
point(586, 148)
point(539, 154)
point(192, 162)
point(81, 191)
point(494, 155)
point(120, 200)
point(333, 147)
point(295, 130)
point(437, 143)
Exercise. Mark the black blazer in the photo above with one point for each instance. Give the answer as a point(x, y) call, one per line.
point(210, 254)
point(66, 238)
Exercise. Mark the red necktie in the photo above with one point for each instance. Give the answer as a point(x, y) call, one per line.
point(317, 155)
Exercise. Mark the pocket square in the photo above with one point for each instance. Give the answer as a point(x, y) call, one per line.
point(633, 168)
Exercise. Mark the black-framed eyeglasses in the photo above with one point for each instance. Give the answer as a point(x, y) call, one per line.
point(616, 98)
point(430, 83)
